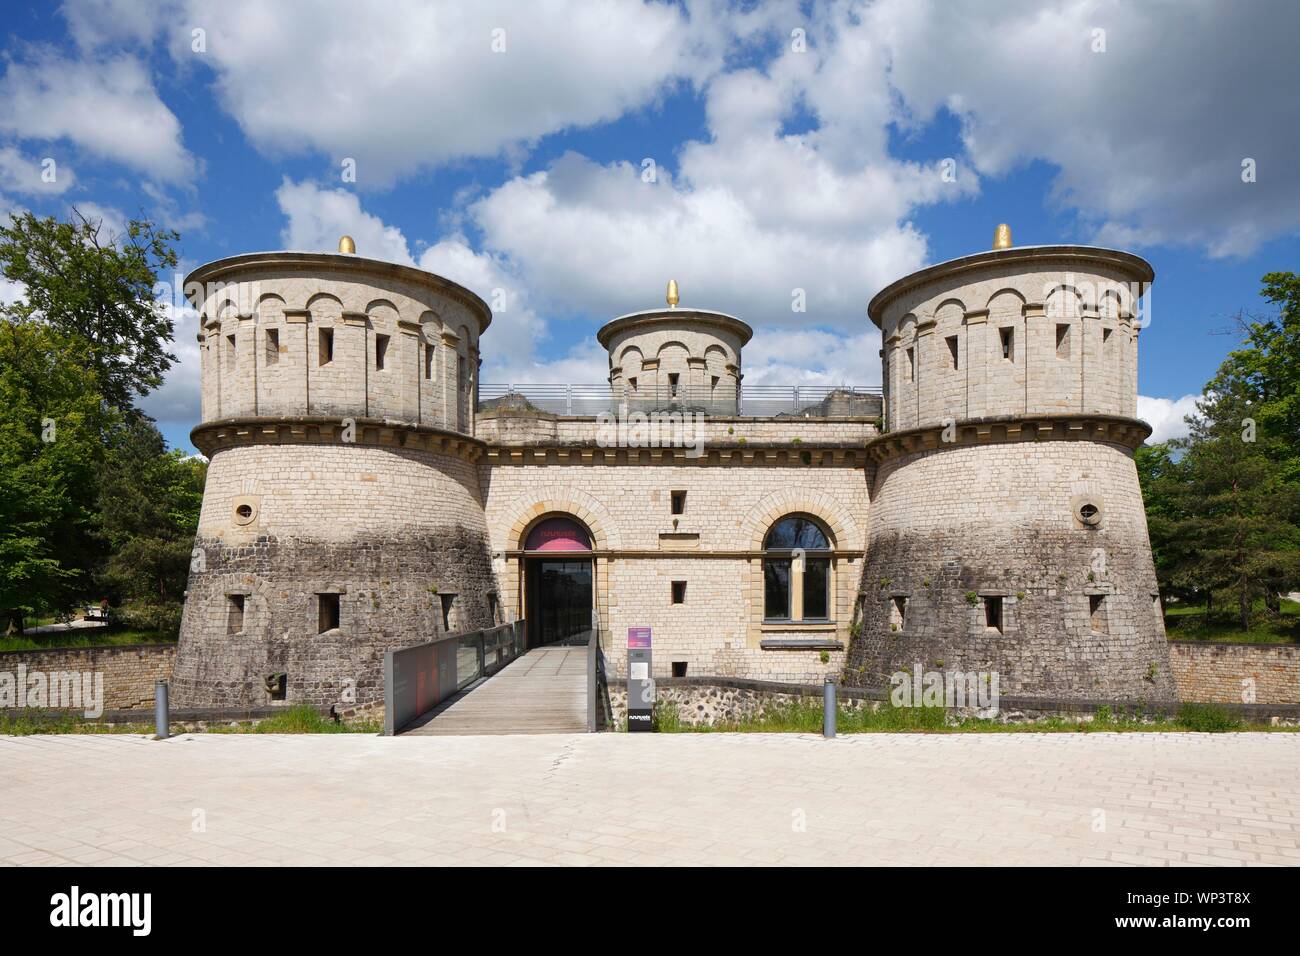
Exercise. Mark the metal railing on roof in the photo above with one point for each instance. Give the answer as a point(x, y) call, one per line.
point(754, 401)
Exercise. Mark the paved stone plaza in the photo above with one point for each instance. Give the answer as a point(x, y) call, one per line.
point(672, 799)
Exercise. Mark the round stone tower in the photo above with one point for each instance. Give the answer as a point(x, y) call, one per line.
point(671, 357)
point(1007, 532)
point(342, 514)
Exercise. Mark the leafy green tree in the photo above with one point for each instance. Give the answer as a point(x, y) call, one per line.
point(1223, 504)
point(53, 425)
point(148, 510)
point(98, 289)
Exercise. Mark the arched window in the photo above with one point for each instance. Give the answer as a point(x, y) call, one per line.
point(796, 571)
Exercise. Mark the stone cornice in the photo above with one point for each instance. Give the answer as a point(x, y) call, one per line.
point(1116, 429)
point(334, 266)
point(211, 437)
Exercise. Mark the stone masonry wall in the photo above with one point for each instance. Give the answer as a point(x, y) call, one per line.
point(392, 533)
point(1236, 673)
point(129, 670)
point(957, 529)
point(715, 547)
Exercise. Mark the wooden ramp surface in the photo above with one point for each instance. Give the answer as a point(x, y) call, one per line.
point(544, 692)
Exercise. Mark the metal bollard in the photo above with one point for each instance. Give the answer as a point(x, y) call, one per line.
point(161, 710)
point(828, 709)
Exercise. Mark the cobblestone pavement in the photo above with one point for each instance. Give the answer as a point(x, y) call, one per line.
point(1145, 798)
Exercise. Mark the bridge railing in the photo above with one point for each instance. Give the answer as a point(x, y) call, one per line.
point(419, 678)
point(754, 401)
point(599, 710)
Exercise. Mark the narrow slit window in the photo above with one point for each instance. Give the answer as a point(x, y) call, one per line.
point(327, 612)
point(672, 384)
point(1106, 346)
point(1097, 613)
point(679, 592)
point(632, 381)
point(462, 381)
point(428, 362)
point(1009, 344)
point(234, 613)
point(272, 346)
point(897, 613)
point(381, 352)
point(326, 346)
point(993, 613)
point(1063, 341)
point(448, 601)
point(231, 352)
point(911, 365)
point(494, 607)
point(952, 351)
point(679, 502)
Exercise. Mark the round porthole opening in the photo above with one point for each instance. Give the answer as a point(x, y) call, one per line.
point(1088, 512)
point(244, 511)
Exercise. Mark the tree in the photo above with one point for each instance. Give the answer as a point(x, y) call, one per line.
point(148, 512)
point(1223, 504)
point(53, 425)
point(100, 291)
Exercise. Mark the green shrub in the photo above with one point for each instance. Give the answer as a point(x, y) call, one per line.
point(1207, 719)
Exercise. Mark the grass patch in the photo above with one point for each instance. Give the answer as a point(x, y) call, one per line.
point(83, 638)
point(804, 716)
point(69, 724)
point(1190, 623)
point(302, 719)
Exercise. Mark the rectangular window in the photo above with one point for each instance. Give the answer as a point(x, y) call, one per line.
point(428, 362)
point(1106, 347)
point(326, 352)
point(816, 589)
point(327, 612)
point(381, 351)
point(1063, 341)
point(679, 668)
point(776, 590)
point(447, 600)
point(952, 351)
point(1097, 613)
point(911, 365)
point(679, 592)
point(993, 613)
point(897, 613)
point(1009, 344)
point(272, 346)
point(679, 502)
point(632, 381)
point(462, 381)
point(713, 386)
point(234, 613)
point(231, 353)
point(672, 384)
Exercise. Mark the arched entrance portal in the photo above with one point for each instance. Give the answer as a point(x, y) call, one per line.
point(558, 582)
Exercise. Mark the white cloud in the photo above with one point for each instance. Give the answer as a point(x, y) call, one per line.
point(407, 84)
point(176, 401)
point(316, 217)
point(1165, 416)
point(107, 106)
point(1149, 135)
point(28, 175)
point(10, 291)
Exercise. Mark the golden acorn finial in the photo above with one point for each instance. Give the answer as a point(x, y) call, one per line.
point(673, 297)
point(347, 246)
point(1002, 236)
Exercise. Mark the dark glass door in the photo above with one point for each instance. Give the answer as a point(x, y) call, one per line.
point(559, 600)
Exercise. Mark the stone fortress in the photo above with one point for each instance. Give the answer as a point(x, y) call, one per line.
point(982, 514)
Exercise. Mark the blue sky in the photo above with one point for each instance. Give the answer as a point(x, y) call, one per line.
point(504, 145)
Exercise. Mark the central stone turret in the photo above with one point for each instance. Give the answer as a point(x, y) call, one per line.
point(679, 358)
